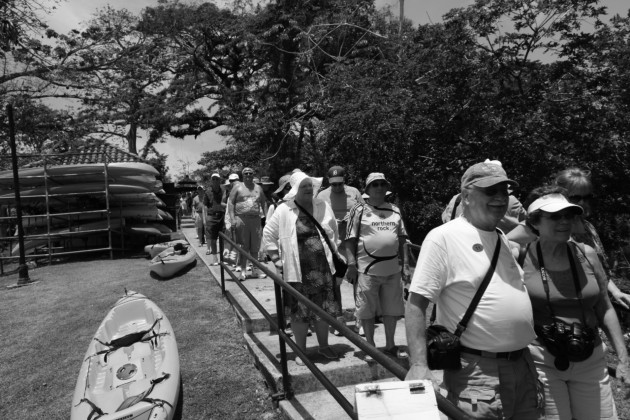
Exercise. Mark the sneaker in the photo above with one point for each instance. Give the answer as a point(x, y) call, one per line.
point(237, 268)
point(328, 353)
point(299, 361)
point(397, 352)
point(361, 332)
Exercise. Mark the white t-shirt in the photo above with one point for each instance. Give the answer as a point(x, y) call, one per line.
point(453, 261)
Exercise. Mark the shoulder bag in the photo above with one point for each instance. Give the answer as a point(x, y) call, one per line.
point(339, 262)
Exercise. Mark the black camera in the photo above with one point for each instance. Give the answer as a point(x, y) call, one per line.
point(568, 342)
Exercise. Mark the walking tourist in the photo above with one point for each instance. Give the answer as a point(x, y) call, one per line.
point(497, 379)
point(567, 286)
point(293, 240)
point(375, 248)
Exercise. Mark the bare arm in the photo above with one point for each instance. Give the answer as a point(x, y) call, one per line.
point(610, 323)
point(351, 257)
point(620, 297)
point(416, 327)
point(231, 202)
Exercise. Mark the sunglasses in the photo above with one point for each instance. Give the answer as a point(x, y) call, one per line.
point(556, 217)
point(248, 173)
point(378, 184)
point(577, 198)
point(494, 190)
point(336, 184)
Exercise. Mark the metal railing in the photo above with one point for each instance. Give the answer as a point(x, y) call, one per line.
point(444, 405)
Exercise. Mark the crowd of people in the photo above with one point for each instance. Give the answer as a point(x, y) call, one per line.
point(531, 347)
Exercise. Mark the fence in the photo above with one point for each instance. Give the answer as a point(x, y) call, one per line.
point(444, 405)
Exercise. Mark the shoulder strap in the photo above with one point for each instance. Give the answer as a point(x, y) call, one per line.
point(461, 326)
point(457, 201)
point(522, 253)
point(317, 225)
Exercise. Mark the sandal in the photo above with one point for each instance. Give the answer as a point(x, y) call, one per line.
point(328, 353)
point(396, 352)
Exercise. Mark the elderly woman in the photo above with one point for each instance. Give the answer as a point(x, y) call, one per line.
point(567, 287)
point(577, 183)
point(294, 244)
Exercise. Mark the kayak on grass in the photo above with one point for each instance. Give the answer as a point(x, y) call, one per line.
point(131, 368)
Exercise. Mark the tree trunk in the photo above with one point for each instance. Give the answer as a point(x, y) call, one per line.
point(132, 136)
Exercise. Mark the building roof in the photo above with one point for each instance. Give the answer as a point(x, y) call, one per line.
point(97, 152)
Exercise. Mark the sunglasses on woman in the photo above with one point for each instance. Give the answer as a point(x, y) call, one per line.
point(556, 217)
point(576, 198)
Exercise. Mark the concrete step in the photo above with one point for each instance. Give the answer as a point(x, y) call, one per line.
point(350, 368)
point(320, 405)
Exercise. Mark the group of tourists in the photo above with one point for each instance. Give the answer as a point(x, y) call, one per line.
point(533, 280)
point(532, 347)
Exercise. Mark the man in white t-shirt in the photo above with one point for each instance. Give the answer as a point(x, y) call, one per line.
point(375, 251)
point(497, 379)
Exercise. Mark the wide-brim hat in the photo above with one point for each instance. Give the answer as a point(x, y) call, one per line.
point(552, 203)
point(284, 180)
point(265, 180)
point(374, 176)
point(295, 181)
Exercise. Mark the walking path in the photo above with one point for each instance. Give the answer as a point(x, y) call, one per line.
point(311, 400)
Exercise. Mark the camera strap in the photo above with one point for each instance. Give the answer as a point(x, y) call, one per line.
point(574, 274)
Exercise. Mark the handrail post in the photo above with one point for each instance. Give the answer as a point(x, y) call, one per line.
point(283, 348)
point(221, 247)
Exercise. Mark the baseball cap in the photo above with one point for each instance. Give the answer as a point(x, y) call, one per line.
point(265, 180)
point(284, 180)
point(215, 175)
point(233, 177)
point(552, 203)
point(336, 174)
point(374, 176)
point(485, 175)
point(257, 181)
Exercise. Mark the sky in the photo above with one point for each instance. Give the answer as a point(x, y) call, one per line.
point(184, 154)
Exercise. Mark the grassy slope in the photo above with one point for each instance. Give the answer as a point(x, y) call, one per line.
point(46, 329)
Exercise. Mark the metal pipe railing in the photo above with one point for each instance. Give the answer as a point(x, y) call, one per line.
point(444, 405)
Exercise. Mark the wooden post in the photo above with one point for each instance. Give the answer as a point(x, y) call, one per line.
point(23, 278)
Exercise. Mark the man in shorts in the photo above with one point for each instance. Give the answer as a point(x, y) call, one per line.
point(214, 213)
point(497, 379)
point(375, 249)
point(342, 198)
point(197, 211)
point(246, 203)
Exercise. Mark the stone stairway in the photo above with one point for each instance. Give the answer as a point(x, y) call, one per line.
point(311, 400)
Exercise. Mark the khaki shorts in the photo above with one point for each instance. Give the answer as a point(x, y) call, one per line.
point(382, 294)
point(487, 388)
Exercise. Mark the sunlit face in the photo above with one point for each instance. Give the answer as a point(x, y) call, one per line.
point(556, 227)
point(378, 189)
point(248, 176)
point(337, 187)
point(486, 206)
point(582, 194)
point(305, 190)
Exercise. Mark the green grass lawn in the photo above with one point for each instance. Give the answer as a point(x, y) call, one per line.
point(46, 328)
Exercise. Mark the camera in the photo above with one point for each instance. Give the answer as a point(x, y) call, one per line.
point(568, 342)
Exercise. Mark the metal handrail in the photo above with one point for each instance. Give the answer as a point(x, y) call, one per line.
point(444, 405)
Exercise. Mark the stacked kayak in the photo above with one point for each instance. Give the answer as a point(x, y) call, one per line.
point(131, 368)
point(172, 260)
point(153, 250)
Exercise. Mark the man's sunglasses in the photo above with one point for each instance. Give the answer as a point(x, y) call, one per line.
point(248, 173)
point(494, 190)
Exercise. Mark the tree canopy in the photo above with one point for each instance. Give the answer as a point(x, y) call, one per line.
point(539, 85)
